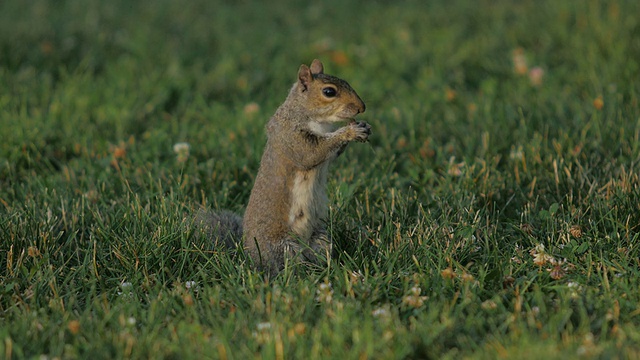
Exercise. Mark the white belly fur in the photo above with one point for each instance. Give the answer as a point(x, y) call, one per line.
point(308, 201)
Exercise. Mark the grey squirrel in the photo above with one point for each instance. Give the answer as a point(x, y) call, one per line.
point(284, 220)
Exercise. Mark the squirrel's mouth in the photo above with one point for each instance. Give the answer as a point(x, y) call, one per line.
point(349, 119)
point(338, 119)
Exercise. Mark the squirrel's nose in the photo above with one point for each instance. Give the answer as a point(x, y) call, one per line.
point(362, 107)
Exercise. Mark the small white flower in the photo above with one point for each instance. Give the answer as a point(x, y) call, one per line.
point(413, 299)
point(575, 289)
point(540, 257)
point(263, 326)
point(126, 288)
point(324, 287)
point(535, 310)
point(380, 312)
point(190, 284)
point(324, 293)
point(262, 333)
point(516, 153)
point(181, 148)
point(455, 169)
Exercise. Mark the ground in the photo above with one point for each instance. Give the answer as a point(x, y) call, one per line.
point(495, 212)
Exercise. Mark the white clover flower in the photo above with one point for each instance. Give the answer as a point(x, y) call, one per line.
point(535, 310)
point(380, 312)
point(540, 257)
point(263, 326)
point(324, 293)
point(126, 288)
point(413, 299)
point(516, 153)
point(576, 288)
point(182, 150)
point(262, 333)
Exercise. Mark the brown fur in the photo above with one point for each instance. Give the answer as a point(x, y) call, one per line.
point(284, 220)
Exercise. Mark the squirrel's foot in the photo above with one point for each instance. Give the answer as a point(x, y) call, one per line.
point(361, 130)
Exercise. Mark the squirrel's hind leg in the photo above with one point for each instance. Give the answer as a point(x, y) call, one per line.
point(320, 249)
point(317, 251)
point(293, 251)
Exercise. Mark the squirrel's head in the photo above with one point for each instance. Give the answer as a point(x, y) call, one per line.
point(327, 97)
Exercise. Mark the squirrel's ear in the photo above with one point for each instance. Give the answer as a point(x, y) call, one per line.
point(316, 67)
point(304, 76)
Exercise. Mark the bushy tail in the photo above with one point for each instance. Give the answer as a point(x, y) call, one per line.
point(223, 227)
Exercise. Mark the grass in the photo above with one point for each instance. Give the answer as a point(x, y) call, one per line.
point(493, 213)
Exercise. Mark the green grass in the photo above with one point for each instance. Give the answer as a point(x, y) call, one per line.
point(471, 166)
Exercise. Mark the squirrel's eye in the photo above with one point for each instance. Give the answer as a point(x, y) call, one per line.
point(329, 92)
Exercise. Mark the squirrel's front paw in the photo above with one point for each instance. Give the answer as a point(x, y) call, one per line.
point(361, 130)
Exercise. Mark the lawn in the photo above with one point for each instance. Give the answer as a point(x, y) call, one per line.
point(495, 212)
